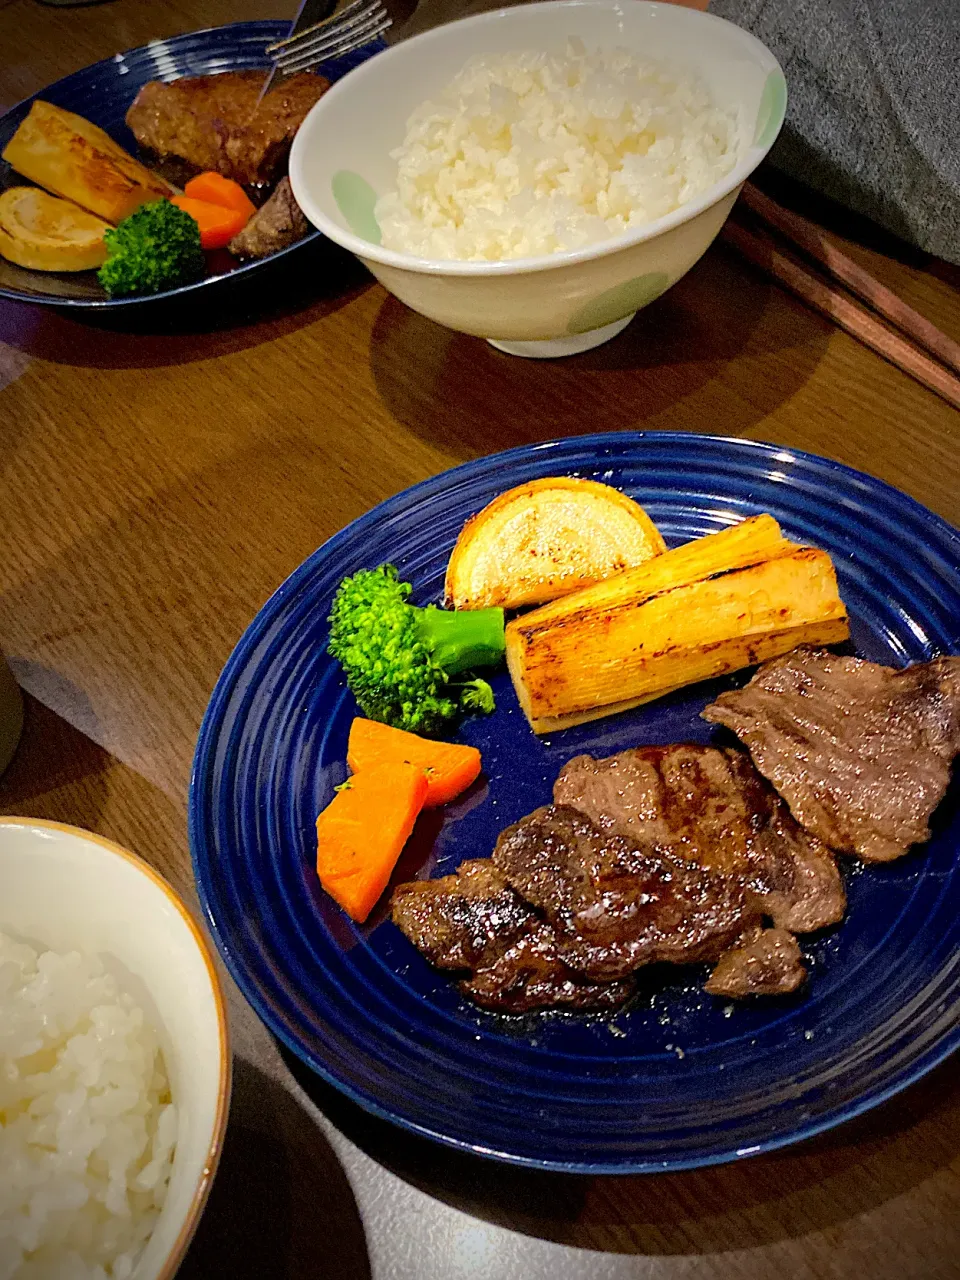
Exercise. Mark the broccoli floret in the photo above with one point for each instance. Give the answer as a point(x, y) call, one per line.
point(477, 696)
point(156, 248)
point(399, 658)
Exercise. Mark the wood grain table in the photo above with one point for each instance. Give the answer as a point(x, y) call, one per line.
point(161, 476)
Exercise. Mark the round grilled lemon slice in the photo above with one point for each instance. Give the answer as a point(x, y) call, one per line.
point(45, 233)
point(544, 539)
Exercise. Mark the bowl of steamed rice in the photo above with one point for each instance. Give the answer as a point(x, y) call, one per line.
point(536, 175)
point(114, 1061)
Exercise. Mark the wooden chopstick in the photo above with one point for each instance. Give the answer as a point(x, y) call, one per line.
point(849, 315)
point(811, 238)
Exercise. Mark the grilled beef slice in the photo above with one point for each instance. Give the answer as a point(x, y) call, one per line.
point(765, 962)
point(714, 809)
point(614, 904)
point(276, 225)
point(860, 752)
point(215, 122)
point(474, 921)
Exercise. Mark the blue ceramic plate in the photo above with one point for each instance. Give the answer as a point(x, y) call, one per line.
point(681, 1079)
point(103, 93)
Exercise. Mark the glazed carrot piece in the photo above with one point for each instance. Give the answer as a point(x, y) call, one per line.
point(216, 189)
point(449, 766)
point(217, 225)
point(362, 831)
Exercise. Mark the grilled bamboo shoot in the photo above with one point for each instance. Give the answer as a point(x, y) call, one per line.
point(75, 159)
point(712, 606)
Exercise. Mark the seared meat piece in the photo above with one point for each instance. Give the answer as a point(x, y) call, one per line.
point(463, 921)
point(214, 122)
point(713, 808)
point(860, 752)
point(530, 975)
point(277, 225)
point(474, 920)
point(614, 904)
point(765, 962)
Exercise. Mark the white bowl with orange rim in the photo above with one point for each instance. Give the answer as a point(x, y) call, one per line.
point(66, 890)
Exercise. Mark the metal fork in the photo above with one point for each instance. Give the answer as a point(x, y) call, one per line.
point(346, 25)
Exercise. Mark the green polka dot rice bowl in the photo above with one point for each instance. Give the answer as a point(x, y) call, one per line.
point(558, 303)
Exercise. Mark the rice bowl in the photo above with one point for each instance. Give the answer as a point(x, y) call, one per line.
point(342, 164)
point(114, 1061)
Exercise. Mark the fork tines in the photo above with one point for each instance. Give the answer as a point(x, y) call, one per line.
point(355, 24)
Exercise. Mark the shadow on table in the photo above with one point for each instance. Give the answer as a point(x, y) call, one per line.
point(232, 316)
point(817, 1184)
point(281, 1205)
point(55, 758)
point(948, 272)
point(722, 324)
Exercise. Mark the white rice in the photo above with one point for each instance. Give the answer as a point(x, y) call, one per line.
point(87, 1128)
point(529, 153)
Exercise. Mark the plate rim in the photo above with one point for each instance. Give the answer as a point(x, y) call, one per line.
point(831, 1118)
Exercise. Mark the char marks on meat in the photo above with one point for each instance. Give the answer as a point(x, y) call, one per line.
point(765, 962)
point(860, 752)
point(714, 809)
point(474, 921)
point(216, 122)
point(276, 225)
point(684, 853)
point(615, 904)
point(659, 854)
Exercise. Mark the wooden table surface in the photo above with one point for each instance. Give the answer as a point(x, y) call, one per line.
point(161, 478)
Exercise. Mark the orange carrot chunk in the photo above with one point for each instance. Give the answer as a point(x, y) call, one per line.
point(449, 766)
point(362, 831)
point(217, 225)
point(214, 188)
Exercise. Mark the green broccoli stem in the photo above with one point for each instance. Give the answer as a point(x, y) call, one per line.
point(461, 639)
